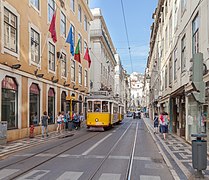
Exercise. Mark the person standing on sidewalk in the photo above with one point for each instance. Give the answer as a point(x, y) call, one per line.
point(156, 123)
point(44, 124)
point(59, 122)
point(164, 124)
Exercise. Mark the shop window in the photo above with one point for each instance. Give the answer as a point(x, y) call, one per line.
point(51, 105)
point(34, 104)
point(9, 102)
point(63, 101)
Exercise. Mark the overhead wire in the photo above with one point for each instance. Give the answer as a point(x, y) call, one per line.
point(126, 29)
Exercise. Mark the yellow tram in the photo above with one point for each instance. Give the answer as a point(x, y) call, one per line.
point(102, 111)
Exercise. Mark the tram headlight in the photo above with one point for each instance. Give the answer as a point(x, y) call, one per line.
point(96, 120)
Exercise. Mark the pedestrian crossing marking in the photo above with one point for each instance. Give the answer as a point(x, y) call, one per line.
point(109, 176)
point(70, 175)
point(34, 175)
point(144, 177)
point(7, 172)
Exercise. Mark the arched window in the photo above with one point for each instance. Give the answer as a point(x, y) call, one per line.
point(51, 105)
point(34, 104)
point(9, 103)
point(63, 101)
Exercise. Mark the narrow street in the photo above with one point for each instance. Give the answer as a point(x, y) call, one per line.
point(126, 151)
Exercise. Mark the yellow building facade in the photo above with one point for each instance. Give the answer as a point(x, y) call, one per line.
point(36, 74)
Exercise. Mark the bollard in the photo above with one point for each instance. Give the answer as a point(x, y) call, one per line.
point(199, 154)
point(31, 131)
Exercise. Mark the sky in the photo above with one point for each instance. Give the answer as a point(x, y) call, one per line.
point(138, 15)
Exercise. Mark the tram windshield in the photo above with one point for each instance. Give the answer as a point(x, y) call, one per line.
point(104, 106)
point(97, 106)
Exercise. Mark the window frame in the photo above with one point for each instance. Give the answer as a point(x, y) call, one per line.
point(50, 42)
point(195, 34)
point(79, 13)
point(50, 8)
point(72, 5)
point(175, 63)
point(80, 69)
point(72, 68)
point(63, 64)
point(34, 6)
point(62, 22)
point(85, 23)
point(183, 53)
point(31, 26)
point(13, 11)
point(85, 78)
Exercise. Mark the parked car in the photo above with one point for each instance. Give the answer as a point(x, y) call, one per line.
point(129, 114)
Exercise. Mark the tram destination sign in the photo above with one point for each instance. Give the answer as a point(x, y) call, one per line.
point(100, 93)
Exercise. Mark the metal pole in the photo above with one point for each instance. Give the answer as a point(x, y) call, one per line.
point(71, 108)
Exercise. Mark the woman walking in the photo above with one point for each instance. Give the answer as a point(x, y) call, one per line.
point(59, 122)
point(156, 123)
point(164, 124)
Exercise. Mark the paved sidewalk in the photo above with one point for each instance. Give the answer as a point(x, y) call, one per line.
point(176, 152)
point(18, 145)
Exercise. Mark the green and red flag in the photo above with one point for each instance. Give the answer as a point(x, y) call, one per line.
point(77, 55)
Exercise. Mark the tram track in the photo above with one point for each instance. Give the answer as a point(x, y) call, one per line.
point(50, 158)
point(128, 171)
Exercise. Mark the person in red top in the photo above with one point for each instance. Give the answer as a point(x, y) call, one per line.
point(164, 124)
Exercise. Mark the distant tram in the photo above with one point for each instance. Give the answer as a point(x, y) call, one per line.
point(103, 111)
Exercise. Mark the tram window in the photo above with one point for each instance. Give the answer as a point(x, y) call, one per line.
point(104, 106)
point(97, 106)
point(90, 106)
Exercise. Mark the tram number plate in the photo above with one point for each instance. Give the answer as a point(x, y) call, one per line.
point(98, 123)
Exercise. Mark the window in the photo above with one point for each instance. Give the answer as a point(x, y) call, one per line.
point(63, 65)
point(72, 5)
point(183, 53)
point(175, 64)
point(51, 9)
point(86, 78)
point(51, 57)
point(34, 104)
point(73, 33)
point(63, 101)
point(10, 30)
point(80, 43)
point(183, 6)
point(170, 71)
point(63, 25)
point(51, 105)
point(104, 106)
point(166, 77)
point(97, 106)
point(85, 23)
point(35, 46)
point(87, 1)
point(175, 15)
point(73, 70)
point(79, 13)
point(85, 46)
point(195, 35)
point(166, 40)
point(9, 103)
point(35, 4)
point(170, 29)
point(80, 74)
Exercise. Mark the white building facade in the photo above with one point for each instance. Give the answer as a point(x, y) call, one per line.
point(102, 55)
point(179, 31)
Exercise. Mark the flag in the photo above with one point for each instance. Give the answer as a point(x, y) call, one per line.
point(87, 57)
point(70, 41)
point(52, 29)
point(77, 56)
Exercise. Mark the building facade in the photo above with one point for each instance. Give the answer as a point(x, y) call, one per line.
point(36, 73)
point(178, 33)
point(102, 74)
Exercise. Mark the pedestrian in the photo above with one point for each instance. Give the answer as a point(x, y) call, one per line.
point(81, 118)
point(156, 123)
point(59, 122)
point(164, 120)
point(44, 124)
point(76, 121)
point(66, 120)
